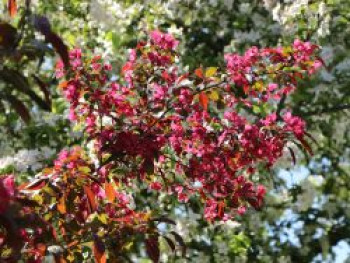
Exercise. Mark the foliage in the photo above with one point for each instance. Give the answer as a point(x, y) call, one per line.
point(20, 50)
point(305, 211)
point(171, 131)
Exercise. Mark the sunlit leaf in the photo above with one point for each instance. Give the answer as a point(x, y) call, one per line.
point(211, 71)
point(12, 7)
point(99, 253)
point(214, 95)
point(61, 205)
point(110, 193)
point(203, 100)
point(91, 197)
point(199, 72)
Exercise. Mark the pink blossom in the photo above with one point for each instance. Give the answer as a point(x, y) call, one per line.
point(7, 191)
point(294, 124)
point(165, 41)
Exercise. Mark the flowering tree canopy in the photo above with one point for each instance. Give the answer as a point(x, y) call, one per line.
point(153, 126)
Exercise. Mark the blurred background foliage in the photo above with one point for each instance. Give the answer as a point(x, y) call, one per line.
point(307, 212)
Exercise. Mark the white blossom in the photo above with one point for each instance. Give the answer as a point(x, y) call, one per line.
point(245, 8)
point(250, 36)
point(25, 159)
point(343, 66)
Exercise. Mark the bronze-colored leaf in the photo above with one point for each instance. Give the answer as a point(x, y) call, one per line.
point(43, 25)
point(203, 100)
point(109, 192)
point(19, 107)
point(12, 7)
point(60, 47)
point(199, 72)
point(61, 205)
point(306, 146)
point(99, 252)
point(20, 83)
point(91, 197)
point(44, 88)
point(8, 35)
point(152, 248)
point(36, 184)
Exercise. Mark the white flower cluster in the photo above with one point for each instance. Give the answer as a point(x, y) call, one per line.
point(344, 66)
point(110, 13)
point(309, 187)
point(24, 160)
point(250, 36)
point(283, 13)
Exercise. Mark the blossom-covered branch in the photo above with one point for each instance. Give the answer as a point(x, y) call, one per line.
point(201, 133)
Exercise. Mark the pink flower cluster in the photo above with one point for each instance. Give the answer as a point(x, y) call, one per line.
point(163, 40)
point(7, 191)
point(169, 131)
point(269, 73)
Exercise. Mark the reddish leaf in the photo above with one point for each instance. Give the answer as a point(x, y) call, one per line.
point(127, 67)
point(63, 85)
point(99, 254)
point(12, 7)
point(59, 259)
point(221, 209)
point(152, 248)
point(110, 192)
point(61, 206)
point(21, 84)
point(60, 47)
point(199, 72)
point(91, 197)
point(73, 244)
point(298, 75)
point(203, 100)
point(41, 249)
point(182, 77)
point(246, 89)
point(35, 185)
point(306, 145)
